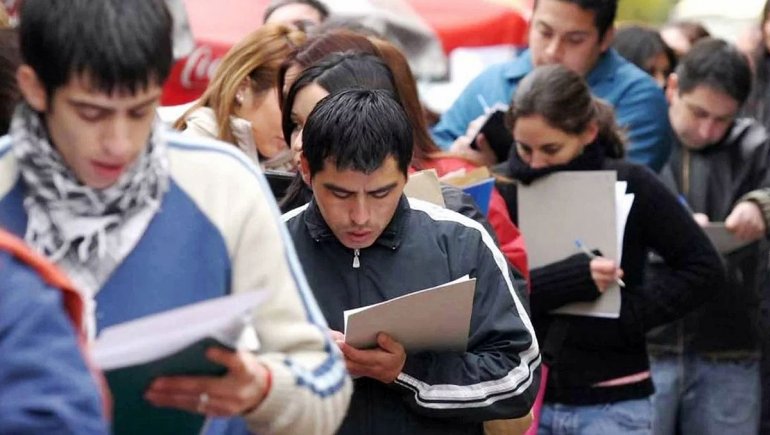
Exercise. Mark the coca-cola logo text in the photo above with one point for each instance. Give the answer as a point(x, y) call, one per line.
point(199, 66)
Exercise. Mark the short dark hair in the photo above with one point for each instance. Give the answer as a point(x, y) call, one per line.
point(357, 129)
point(638, 44)
point(117, 44)
point(334, 73)
point(9, 62)
point(277, 4)
point(717, 64)
point(604, 12)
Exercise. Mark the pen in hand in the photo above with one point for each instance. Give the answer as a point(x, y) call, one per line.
point(591, 255)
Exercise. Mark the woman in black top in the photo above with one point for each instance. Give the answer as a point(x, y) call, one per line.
point(599, 380)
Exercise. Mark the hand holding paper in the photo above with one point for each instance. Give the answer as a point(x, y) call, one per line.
point(383, 363)
point(746, 221)
point(242, 389)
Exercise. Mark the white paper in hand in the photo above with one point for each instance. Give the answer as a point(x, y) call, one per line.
point(437, 319)
point(227, 318)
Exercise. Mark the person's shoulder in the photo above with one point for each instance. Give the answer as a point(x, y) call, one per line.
point(291, 217)
point(440, 221)
point(513, 69)
point(20, 285)
point(627, 75)
point(222, 182)
point(639, 177)
point(202, 160)
point(748, 132)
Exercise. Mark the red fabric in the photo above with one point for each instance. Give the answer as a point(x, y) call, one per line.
point(477, 23)
point(511, 240)
point(538, 406)
point(218, 25)
point(73, 304)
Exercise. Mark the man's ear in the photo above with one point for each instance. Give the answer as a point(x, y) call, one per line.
point(672, 86)
point(32, 88)
point(304, 169)
point(608, 39)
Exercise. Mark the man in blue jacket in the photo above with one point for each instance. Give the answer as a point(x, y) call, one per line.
point(362, 242)
point(45, 385)
point(577, 34)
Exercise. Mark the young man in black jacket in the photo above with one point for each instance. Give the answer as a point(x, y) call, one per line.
point(706, 365)
point(361, 242)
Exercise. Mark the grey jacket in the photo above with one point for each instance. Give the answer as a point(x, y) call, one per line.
point(712, 181)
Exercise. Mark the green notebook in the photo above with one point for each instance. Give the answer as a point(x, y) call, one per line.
point(134, 415)
point(174, 342)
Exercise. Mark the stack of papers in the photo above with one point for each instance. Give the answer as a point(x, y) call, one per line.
point(590, 206)
point(436, 319)
point(425, 185)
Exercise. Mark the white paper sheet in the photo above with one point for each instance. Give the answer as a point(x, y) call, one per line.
point(437, 318)
point(153, 337)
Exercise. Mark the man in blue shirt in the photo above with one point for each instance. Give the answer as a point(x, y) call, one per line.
point(578, 35)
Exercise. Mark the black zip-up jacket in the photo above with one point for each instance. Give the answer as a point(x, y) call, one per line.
point(437, 392)
point(712, 181)
point(583, 351)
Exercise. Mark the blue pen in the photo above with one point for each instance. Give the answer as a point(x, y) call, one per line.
point(591, 255)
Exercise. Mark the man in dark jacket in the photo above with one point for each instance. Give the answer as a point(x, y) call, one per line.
point(361, 242)
point(706, 366)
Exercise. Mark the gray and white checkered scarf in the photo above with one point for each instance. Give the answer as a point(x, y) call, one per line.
point(67, 219)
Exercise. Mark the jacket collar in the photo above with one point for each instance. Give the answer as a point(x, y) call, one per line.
point(604, 69)
point(390, 238)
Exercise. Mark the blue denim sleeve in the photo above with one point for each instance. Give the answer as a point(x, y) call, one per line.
point(45, 386)
point(643, 113)
point(490, 85)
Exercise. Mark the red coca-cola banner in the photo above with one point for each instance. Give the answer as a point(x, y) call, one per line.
point(190, 76)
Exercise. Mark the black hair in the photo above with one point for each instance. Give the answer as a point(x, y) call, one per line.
point(564, 100)
point(9, 90)
point(118, 45)
point(323, 11)
point(357, 129)
point(334, 73)
point(717, 64)
point(604, 12)
point(638, 44)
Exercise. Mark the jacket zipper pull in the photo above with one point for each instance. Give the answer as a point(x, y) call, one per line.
point(356, 261)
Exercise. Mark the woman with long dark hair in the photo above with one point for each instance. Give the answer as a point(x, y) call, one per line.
point(599, 379)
